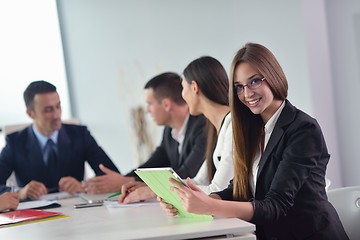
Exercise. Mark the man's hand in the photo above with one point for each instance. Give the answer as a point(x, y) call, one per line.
point(9, 200)
point(70, 185)
point(33, 190)
point(134, 192)
point(108, 183)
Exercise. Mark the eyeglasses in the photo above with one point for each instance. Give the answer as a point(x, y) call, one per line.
point(254, 83)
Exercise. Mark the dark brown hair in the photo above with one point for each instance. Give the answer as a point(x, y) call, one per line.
point(213, 81)
point(36, 87)
point(247, 127)
point(166, 85)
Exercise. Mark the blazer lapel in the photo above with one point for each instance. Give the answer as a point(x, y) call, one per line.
point(188, 132)
point(34, 156)
point(64, 143)
point(285, 118)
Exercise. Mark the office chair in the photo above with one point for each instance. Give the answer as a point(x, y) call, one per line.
point(10, 128)
point(346, 201)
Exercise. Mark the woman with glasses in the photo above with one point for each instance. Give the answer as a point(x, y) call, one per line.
point(280, 159)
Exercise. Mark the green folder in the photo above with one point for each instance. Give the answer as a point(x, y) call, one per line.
point(158, 180)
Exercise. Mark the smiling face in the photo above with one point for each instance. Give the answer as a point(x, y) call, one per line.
point(189, 95)
point(46, 113)
point(259, 100)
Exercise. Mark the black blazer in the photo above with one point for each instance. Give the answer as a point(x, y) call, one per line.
point(23, 155)
point(290, 198)
point(186, 164)
point(3, 189)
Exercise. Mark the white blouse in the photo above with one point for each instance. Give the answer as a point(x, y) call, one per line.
point(223, 161)
point(268, 128)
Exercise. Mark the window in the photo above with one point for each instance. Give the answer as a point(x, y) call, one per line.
point(31, 49)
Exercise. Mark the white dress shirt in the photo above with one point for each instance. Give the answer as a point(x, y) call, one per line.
point(268, 128)
point(43, 140)
point(223, 161)
point(179, 136)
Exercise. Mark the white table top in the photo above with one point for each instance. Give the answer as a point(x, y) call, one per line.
point(142, 222)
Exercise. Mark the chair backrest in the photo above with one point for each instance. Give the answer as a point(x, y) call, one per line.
point(347, 203)
point(14, 128)
point(17, 127)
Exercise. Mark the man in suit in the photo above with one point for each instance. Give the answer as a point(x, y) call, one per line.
point(184, 141)
point(49, 156)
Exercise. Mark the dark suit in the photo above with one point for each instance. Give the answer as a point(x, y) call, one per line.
point(22, 154)
point(4, 189)
point(186, 164)
point(290, 198)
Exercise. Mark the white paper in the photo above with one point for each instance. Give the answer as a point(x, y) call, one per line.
point(57, 196)
point(115, 204)
point(93, 198)
point(34, 204)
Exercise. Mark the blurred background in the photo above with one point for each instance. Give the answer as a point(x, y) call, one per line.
point(100, 53)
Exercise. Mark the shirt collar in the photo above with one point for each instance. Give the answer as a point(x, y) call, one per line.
point(180, 135)
point(269, 126)
point(43, 139)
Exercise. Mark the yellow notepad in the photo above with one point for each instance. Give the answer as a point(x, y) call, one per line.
point(158, 180)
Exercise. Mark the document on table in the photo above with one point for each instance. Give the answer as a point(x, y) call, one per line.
point(25, 215)
point(93, 198)
point(115, 204)
point(57, 196)
point(35, 204)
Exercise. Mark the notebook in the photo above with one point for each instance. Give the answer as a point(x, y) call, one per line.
point(158, 180)
point(25, 215)
point(38, 204)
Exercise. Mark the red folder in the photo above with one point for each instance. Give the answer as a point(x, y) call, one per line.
point(25, 215)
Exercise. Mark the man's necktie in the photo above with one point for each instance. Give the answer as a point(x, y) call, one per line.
point(52, 162)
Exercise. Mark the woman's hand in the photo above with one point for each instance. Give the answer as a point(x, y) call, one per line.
point(193, 199)
point(168, 208)
point(134, 192)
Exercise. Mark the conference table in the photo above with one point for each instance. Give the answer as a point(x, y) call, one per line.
point(138, 221)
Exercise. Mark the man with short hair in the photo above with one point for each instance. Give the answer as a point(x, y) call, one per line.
point(49, 156)
point(184, 141)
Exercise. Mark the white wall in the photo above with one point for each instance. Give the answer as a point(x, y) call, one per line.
point(30, 49)
point(321, 81)
point(343, 19)
point(113, 47)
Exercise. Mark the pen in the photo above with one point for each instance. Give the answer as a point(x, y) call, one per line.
point(114, 195)
point(118, 193)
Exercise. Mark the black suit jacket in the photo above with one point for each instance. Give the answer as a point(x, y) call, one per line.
point(290, 198)
point(3, 189)
point(23, 155)
point(186, 164)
